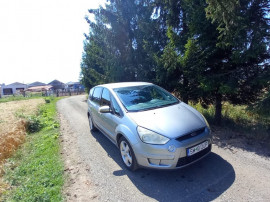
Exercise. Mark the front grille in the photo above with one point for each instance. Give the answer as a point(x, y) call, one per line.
point(189, 159)
point(190, 135)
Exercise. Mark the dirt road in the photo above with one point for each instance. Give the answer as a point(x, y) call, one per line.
point(95, 171)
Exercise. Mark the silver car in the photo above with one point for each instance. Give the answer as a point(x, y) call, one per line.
point(151, 127)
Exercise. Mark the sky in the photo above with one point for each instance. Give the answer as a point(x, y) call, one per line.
point(42, 40)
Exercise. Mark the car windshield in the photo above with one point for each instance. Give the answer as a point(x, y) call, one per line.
point(146, 97)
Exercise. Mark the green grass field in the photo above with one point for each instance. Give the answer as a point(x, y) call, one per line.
point(35, 172)
point(20, 97)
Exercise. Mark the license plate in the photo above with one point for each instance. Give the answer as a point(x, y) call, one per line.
point(197, 148)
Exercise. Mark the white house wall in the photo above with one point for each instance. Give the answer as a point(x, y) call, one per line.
point(13, 87)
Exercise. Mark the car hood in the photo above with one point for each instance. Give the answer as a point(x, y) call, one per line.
point(171, 121)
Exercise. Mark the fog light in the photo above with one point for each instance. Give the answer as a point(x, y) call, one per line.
point(171, 148)
point(154, 161)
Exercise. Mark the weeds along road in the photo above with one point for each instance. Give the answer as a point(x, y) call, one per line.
point(96, 173)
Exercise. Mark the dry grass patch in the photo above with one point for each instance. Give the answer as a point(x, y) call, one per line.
point(9, 112)
point(13, 127)
point(35, 171)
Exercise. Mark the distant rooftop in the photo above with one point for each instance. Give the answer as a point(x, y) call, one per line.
point(39, 88)
point(37, 83)
point(72, 83)
point(55, 82)
point(17, 84)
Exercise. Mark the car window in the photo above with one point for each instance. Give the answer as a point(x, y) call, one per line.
point(96, 95)
point(105, 98)
point(146, 97)
point(91, 93)
point(116, 108)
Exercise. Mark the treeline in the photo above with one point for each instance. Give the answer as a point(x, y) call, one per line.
point(202, 50)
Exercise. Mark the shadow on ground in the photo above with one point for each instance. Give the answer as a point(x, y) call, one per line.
point(203, 181)
point(228, 139)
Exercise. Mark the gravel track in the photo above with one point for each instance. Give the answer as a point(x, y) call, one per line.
point(95, 171)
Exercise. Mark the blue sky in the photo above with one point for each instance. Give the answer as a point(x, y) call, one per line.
point(42, 40)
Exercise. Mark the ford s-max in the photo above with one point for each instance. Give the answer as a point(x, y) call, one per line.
point(150, 126)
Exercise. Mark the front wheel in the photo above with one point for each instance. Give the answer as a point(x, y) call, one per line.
point(127, 154)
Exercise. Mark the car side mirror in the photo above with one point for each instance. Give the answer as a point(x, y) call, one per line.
point(104, 109)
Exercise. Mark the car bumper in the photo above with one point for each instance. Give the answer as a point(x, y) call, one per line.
point(172, 155)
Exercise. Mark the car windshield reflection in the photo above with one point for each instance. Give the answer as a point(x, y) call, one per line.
point(141, 98)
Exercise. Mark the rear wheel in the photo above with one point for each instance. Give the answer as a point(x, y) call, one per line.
point(127, 154)
point(91, 123)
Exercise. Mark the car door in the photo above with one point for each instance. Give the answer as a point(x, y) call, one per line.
point(110, 120)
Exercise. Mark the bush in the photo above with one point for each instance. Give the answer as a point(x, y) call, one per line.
point(240, 118)
point(262, 107)
point(47, 100)
point(33, 124)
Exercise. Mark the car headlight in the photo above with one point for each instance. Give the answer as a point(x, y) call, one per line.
point(150, 137)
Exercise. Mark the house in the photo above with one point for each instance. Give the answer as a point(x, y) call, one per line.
point(13, 88)
point(74, 86)
point(37, 83)
point(57, 85)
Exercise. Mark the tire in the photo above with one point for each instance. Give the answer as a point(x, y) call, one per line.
point(127, 154)
point(91, 124)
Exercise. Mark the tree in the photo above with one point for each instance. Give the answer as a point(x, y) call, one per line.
point(233, 56)
point(119, 44)
point(97, 55)
point(176, 64)
point(243, 36)
point(207, 50)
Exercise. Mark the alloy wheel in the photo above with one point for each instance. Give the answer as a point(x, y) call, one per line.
point(126, 153)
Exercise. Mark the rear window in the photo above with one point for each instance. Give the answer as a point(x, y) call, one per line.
point(91, 93)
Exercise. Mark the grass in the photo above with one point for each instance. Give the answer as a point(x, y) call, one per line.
point(35, 172)
point(13, 126)
point(239, 119)
point(20, 97)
